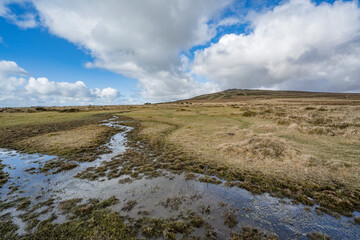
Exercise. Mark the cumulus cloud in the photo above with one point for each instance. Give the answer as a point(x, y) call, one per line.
point(139, 39)
point(106, 93)
point(42, 86)
point(11, 75)
point(78, 90)
point(298, 45)
point(17, 89)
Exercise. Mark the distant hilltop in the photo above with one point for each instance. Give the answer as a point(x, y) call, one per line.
point(248, 94)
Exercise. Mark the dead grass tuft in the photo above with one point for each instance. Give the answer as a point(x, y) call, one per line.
point(267, 128)
point(320, 131)
point(261, 147)
point(294, 128)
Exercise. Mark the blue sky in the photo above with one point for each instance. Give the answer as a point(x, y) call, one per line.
point(45, 55)
point(44, 50)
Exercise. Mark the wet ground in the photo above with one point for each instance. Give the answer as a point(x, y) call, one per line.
point(162, 197)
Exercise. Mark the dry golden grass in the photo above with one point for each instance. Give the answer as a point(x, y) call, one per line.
point(63, 142)
point(19, 119)
point(300, 140)
point(155, 128)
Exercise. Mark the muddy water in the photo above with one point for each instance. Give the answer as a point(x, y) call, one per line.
point(286, 220)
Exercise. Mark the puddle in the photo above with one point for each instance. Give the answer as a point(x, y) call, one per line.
point(286, 220)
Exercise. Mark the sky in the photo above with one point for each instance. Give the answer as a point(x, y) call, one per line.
point(66, 52)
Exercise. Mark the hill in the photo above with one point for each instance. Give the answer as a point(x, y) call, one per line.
point(247, 94)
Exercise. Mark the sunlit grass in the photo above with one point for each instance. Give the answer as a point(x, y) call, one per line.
point(220, 133)
point(21, 118)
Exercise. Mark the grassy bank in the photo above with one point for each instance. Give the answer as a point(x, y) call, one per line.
point(74, 134)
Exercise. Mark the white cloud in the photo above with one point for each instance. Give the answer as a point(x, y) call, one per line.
point(106, 93)
point(42, 86)
point(10, 75)
point(164, 86)
point(229, 21)
point(18, 90)
point(71, 91)
point(139, 39)
point(24, 21)
point(297, 45)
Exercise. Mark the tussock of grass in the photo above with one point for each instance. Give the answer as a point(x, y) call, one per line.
point(184, 224)
point(249, 233)
point(4, 176)
point(190, 176)
point(67, 205)
point(98, 224)
point(129, 205)
point(317, 236)
point(249, 113)
point(259, 147)
point(207, 179)
point(8, 229)
point(230, 219)
point(24, 204)
point(173, 203)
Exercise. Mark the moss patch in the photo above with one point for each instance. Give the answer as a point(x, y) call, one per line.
point(8, 229)
point(129, 205)
point(249, 233)
point(4, 176)
point(98, 224)
point(317, 236)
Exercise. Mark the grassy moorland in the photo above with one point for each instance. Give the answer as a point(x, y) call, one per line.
point(303, 146)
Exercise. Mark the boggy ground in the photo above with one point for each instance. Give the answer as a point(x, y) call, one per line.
point(303, 150)
point(93, 220)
